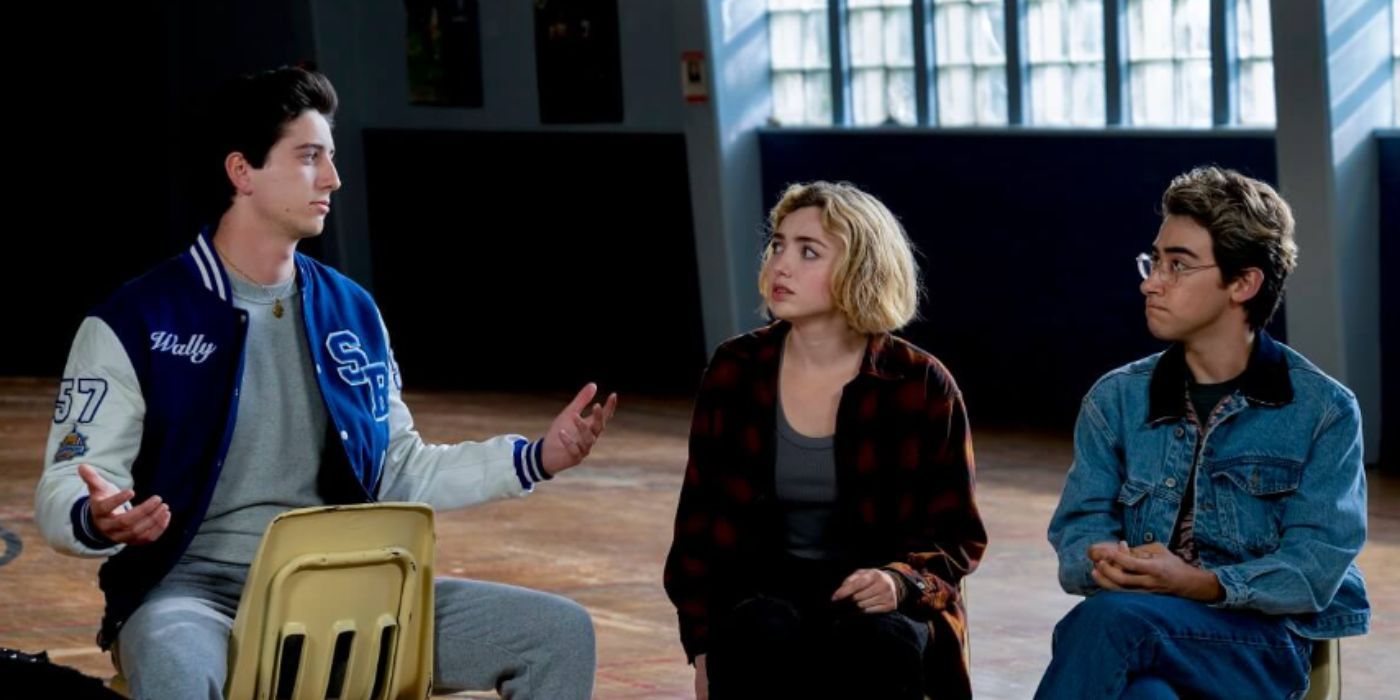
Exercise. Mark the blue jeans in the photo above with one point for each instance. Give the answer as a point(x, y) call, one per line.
point(1138, 645)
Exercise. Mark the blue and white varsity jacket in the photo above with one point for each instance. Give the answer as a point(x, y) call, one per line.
point(150, 394)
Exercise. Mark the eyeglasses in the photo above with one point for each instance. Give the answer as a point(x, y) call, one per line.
point(1171, 271)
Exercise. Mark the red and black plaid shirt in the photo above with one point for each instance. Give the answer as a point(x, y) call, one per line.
point(904, 473)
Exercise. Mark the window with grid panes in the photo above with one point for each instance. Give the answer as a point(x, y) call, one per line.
point(799, 53)
point(1064, 61)
point(1254, 86)
point(880, 37)
point(1168, 62)
point(970, 61)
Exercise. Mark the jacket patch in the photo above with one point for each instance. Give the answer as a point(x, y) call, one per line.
point(72, 445)
point(196, 348)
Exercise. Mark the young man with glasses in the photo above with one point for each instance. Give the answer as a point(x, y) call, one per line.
point(1217, 500)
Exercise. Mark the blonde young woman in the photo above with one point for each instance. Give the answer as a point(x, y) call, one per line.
point(827, 513)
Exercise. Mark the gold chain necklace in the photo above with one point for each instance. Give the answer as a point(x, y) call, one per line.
point(277, 309)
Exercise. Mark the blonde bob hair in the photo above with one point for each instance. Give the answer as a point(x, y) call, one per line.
point(875, 282)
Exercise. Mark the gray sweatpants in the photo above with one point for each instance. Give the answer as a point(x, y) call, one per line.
point(523, 643)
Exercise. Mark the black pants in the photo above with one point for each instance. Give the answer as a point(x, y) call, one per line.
point(789, 641)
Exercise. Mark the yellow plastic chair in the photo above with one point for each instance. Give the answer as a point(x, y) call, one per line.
point(338, 604)
point(1325, 681)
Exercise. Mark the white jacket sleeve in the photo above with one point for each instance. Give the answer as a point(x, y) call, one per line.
point(452, 476)
point(98, 418)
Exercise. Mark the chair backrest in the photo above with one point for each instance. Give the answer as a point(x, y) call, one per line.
point(1325, 681)
point(338, 604)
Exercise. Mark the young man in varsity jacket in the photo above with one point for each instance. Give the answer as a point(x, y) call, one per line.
point(242, 379)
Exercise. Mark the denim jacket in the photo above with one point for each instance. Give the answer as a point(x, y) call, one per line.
point(1280, 489)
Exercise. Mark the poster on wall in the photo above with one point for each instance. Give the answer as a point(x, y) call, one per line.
point(578, 61)
point(444, 53)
